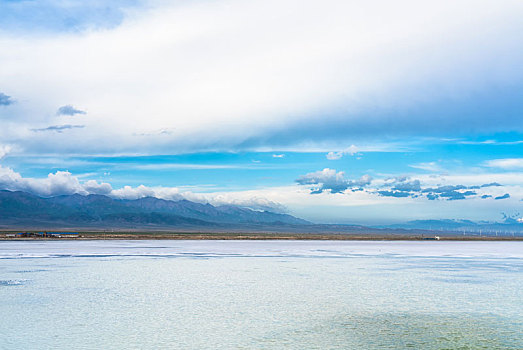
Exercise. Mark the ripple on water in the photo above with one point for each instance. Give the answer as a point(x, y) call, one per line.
point(12, 282)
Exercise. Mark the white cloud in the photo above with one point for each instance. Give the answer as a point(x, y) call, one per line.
point(326, 179)
point(507, 163)
point(331, 180)
point(429, 166)
point(352, 150)
point(94, 187)
point(59, 183)
point(255, 202)
point(278, 155)
point(164, 166)
point(128, 192)
point(252, 68)
point(334, 155)
point(249, 199)
point(4, 150)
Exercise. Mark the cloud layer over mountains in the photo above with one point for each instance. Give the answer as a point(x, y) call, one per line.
point(64, 183)
point(324, 181)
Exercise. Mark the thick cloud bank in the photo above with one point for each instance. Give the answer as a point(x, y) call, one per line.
point(245, 74)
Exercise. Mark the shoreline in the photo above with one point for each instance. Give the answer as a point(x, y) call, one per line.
point(256, 237)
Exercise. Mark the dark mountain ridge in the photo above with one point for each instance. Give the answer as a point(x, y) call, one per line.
point(23, 209)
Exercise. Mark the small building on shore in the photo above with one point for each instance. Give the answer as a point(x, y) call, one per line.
point(434, 238)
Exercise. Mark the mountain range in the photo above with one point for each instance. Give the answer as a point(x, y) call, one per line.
point(21, 210)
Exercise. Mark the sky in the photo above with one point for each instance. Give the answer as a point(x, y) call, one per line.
point(364, 112)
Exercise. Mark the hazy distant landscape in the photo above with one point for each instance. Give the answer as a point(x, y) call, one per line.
point(21, 210)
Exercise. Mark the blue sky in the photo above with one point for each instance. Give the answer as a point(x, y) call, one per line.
point(348, 112)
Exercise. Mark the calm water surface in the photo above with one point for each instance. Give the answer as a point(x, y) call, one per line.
point(260, 295)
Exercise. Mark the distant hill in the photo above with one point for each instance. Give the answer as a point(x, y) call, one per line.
point(508, 226)
point(21, 209)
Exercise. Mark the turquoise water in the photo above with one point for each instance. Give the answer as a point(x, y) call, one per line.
point(260, 295)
